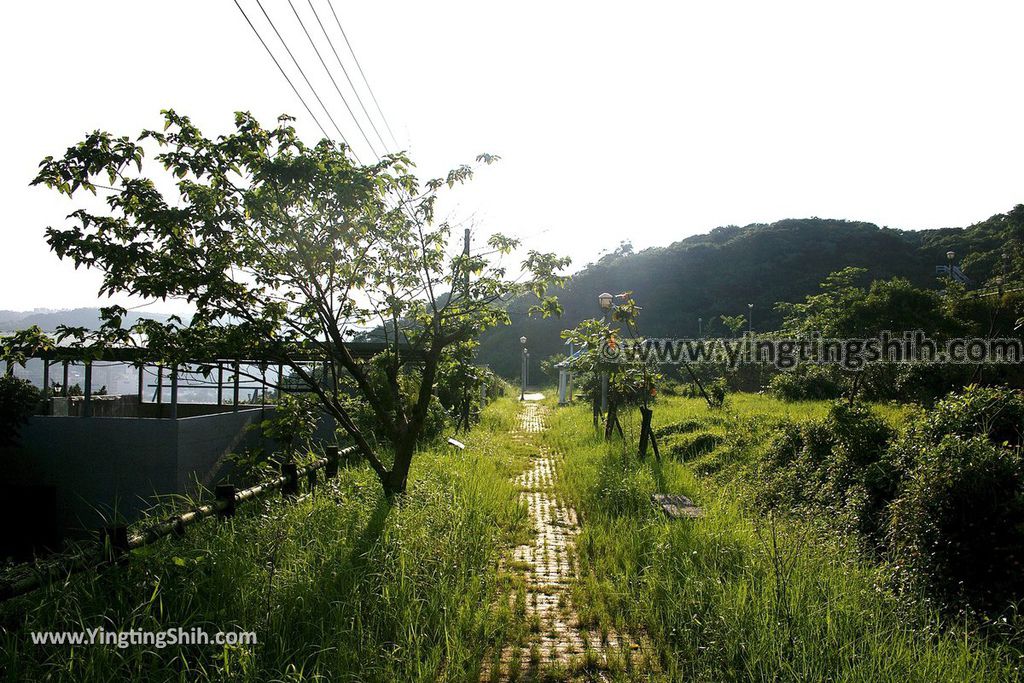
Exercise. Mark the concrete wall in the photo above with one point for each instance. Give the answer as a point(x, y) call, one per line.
point(68, 474)
point(97, 467)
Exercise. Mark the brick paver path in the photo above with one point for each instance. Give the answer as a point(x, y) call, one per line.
point(556, 641)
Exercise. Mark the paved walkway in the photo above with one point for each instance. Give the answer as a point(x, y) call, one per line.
point(557, 645)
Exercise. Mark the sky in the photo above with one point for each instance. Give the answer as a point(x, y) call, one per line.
point(640, 121)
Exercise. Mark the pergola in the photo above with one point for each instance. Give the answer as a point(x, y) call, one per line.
point(141, 357)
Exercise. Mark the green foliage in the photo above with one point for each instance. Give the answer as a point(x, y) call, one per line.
point(23, 344)
point(289, 250)
point(734, 323)
point(338, 585)
point(549, 366)
point(293, 422)
point(719, 273)
point(807, 383)
point(18, 400)
point(833, 466)
point(957, 530)
point(709, 596)
point(843, 309)
point(957, 527)
point(717, 391)
point(631, 381)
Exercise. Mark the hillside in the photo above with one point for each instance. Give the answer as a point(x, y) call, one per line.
point(719, 273)
point(48, 320)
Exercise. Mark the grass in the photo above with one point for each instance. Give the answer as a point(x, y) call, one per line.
point(735, 596)
point(336, 586)
point(339, 586)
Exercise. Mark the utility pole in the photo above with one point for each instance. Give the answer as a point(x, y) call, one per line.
point(465, 283)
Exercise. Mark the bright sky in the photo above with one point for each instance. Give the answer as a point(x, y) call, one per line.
point(643, 121)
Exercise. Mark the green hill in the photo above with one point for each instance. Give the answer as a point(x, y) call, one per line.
point(721, 272)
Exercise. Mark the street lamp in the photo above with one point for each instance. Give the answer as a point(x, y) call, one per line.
point(700, 328)
point(522, 383)
point(750, 318)
point(950, 255)
point(605, 301)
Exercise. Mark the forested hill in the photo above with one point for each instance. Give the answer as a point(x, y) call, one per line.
point(719, 273)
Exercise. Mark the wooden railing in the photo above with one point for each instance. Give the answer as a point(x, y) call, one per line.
point(117, 542)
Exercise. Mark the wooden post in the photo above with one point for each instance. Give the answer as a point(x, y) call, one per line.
point(87, 403)
point(331, 469)
point(115, 542)
point(142, 383)
point(280, 381)
point(64, 386)
point(159, 385)
point(237, 370)
point(291, 473)
point(225, 494)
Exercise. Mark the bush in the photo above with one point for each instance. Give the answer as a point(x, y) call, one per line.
point(957, 528)
point(717, 391)
point(835, 465)
point(807, 383)
point(18, 400)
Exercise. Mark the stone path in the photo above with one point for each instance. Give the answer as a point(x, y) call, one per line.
point(557, 645)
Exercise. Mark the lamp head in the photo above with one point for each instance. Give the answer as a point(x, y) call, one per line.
point(605, 300)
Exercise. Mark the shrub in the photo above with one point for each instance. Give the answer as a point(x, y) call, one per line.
point(834, 465)
point(807, 383)
point(18, 400)
point(957, 528)
point(717, 391)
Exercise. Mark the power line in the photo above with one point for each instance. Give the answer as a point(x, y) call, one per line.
point(359, 99)
point(363, 74)
point(297, 66)
point(279, 68)
point(333, 82)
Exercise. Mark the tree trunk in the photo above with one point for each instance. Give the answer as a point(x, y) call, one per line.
point(395, 481)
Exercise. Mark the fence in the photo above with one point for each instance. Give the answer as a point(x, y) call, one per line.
point(117, 543)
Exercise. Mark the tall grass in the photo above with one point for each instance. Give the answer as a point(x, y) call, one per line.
point(734, 596)
point(336, 585)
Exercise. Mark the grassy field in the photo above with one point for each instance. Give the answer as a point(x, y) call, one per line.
point(336, 586)
point(737, 596)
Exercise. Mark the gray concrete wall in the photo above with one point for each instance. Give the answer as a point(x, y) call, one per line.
point(96, 465)
point(77, 471)
point(99, 466)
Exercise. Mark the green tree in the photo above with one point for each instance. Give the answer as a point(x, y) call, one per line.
point(291, 250)
point(735, 323)
point(18, 400)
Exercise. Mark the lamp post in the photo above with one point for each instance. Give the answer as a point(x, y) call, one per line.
point(700, 328)
point(1002, 276)
point(522, 372)
point(750, 318)
point(950, 255)
point(604, 300)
